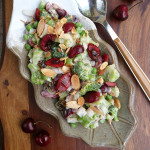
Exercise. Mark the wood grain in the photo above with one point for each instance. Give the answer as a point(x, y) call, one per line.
point(17, 98)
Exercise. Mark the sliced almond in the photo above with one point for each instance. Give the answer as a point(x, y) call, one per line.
point(101, 72)
point(63, 20)
point(61, 34)
point(117, 103)
point(86, 33)
point(55, 32)
point(74, 37)
point(56, 6)
point(72, 104)
point(47, 54)
point(48, 72)
point(69, 65)
point(67, 50)
point(64, 58)
point(41, 26)
point(73, 31)
point(77, 40)
point(100, 80)
point(75, 81)
point(74, 92)
point(81, 101)
point(95, 109)
point(50, 30)
point(103, 65)
point(66, 69)
point(62, 46)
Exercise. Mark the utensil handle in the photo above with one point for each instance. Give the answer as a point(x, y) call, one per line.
point(134, 67)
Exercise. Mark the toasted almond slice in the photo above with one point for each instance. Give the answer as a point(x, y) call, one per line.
point(55, 32)
point(50, 30)
point(67, 50)
point(72, 104)
point(73, 31)
point(100, 80)
point(117, 103)
point(56, 6)
point(77, 40)
point(81, 101)
point(74, 92)
point(63, 20)
point(95, 109)
point(75, 81)
point(69, 65)
point(61, 34)
point(48, 72)
point(103, 65)
point(74, 37)
point(47, 54)
point(58, 25)
point(41, 26)
point(64, 58)
point(66, 69)
point(86, 33)
point(62, 46)
point(101, 72)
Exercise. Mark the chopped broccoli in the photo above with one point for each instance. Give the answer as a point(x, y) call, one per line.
point(113, 111)
point(55, 52)
point(89, 87)
point(111, 74)
point(82, 70)
point(36, 76)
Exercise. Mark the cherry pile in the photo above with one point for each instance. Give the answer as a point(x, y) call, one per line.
point(121, 12)
point(42, 138)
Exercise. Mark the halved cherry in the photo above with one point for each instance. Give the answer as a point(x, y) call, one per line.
point(64, 82)
point(61, 12)
point(74, 51)
point(93, 51)
point(47, 41)
point(92, 96)
point(67, 27)
point(54, 62)
point(110, 84)
point(37, 14)
point(105, 57)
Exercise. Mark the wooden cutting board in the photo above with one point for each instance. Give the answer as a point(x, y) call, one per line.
point(17, 97)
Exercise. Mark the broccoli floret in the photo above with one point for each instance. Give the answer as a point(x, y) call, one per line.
point(113, 111)
point(36, 75)
point(89, 87)
point(82, 70)
point(111, 74)
point(55, 52)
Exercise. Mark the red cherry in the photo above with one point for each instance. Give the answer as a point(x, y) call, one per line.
point(64, 82)
point(93, 51)
point(67, 27)
point(37, 14)
point(92, 96)
point(28, 125)
point(74, 51)
point(68, 112)
point(110, 84)
point(121, 12)
point(61, 12)
point(47, 41)
point(98, 62)
point(42, 138)
point(54, 62)
point(105, 57)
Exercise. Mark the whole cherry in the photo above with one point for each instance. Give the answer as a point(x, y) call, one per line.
point(29, 126)
point(121, 12)
point(42, 138)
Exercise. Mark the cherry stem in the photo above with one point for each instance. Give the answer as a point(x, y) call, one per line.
point(43, 122)
point(136, 4)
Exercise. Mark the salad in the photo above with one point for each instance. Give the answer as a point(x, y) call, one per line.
point(65, 60)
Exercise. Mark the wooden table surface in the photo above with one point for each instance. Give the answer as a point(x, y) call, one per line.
point(17, 97)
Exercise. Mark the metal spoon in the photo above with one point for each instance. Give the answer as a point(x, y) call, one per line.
point(96, 10)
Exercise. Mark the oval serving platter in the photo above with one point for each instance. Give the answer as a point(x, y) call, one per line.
point(115, 135)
